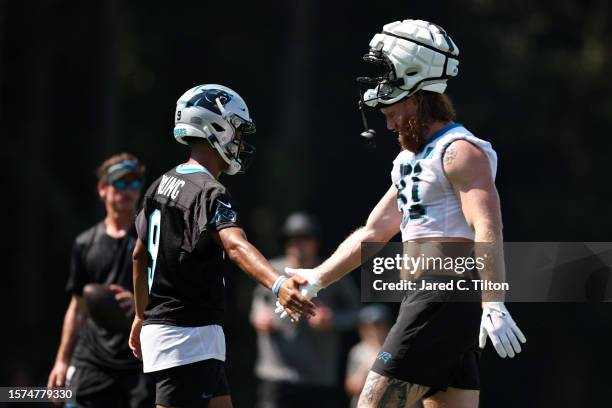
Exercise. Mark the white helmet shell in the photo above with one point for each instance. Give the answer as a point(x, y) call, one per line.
point(417, 55)
point(215, 113)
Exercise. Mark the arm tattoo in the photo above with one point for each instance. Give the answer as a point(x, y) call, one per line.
point(395, 395)
point(370, 389)
point(449, 155)
point(381, 392)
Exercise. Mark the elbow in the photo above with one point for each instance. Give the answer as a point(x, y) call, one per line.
point(234, 244)
point(372, 234)
point(234, 250)
point(352, 386)
point(77, 309)
point(139, 254)
point(487, 231)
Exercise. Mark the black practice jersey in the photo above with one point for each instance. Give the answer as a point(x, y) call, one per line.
point(99, 258)
point(185, 270)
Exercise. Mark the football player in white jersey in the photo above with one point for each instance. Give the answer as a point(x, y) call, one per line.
point(442, 191)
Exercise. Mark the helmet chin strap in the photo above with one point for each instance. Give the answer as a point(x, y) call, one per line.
point(233, 166)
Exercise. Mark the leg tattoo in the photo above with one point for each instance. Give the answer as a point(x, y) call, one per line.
point(380, 391)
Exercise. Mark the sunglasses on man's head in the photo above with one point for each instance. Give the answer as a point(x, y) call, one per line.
point(121, 185)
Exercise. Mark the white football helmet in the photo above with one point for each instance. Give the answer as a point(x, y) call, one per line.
point(218, 114)
point(414, 55)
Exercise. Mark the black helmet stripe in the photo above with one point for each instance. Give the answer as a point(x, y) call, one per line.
point(448, 54)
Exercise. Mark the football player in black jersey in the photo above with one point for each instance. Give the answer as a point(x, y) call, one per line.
point(188, 226)
point(94, 352)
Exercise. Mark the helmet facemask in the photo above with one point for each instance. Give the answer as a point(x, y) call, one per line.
point(237, 150)
point(384, 83)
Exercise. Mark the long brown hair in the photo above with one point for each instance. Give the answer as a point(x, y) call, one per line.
point(430, 107)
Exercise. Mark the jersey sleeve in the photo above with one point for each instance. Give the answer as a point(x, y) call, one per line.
point(216, 210)
point(78, 277)
point(142, 225)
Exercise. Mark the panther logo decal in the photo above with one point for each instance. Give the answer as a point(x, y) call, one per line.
point(384, 356)
point(208, 99)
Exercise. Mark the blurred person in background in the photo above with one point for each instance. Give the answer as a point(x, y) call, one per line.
point(442, 190)
point(187, 229)
point(297, 364)
point(93, 356)
point(374, 322)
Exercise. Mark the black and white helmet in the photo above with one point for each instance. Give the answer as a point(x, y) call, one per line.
point(413, 55)
point(218, 114)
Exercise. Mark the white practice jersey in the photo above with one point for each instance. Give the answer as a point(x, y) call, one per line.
point(429, 205)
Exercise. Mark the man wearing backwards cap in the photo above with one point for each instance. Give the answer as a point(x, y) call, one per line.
point(94, 357)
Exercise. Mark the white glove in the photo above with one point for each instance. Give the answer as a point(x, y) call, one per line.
point(499, 325)
point(308, 291)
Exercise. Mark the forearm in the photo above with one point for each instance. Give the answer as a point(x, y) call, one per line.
point(490, 249)
point(252, 262)
point(73, 320)
point(345, 259)
point(383, 223)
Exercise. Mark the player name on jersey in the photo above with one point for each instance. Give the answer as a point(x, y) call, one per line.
point(170, 186)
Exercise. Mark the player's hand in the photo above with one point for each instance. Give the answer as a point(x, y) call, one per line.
point(324, 319)
point(497, 323)
point(134, 341)
point(292, 300)
point(125, 298)
point(314, 282)
point(57, 377)
point(309, 291)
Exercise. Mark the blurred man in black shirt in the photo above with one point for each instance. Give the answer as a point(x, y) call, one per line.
point(93, 355)
point(289, 376)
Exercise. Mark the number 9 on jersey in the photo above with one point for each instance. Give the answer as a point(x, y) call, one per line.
point(153, 243)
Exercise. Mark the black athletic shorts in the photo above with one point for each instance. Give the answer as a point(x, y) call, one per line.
point(190, 385)
point(434, 341)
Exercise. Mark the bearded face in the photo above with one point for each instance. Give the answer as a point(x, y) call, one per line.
point(413, 117)
point(411, 134)
point(403, 119)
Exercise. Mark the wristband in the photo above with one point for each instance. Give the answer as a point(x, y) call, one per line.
point(277, 284)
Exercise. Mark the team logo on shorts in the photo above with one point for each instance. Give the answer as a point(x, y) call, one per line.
point(384, 356)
